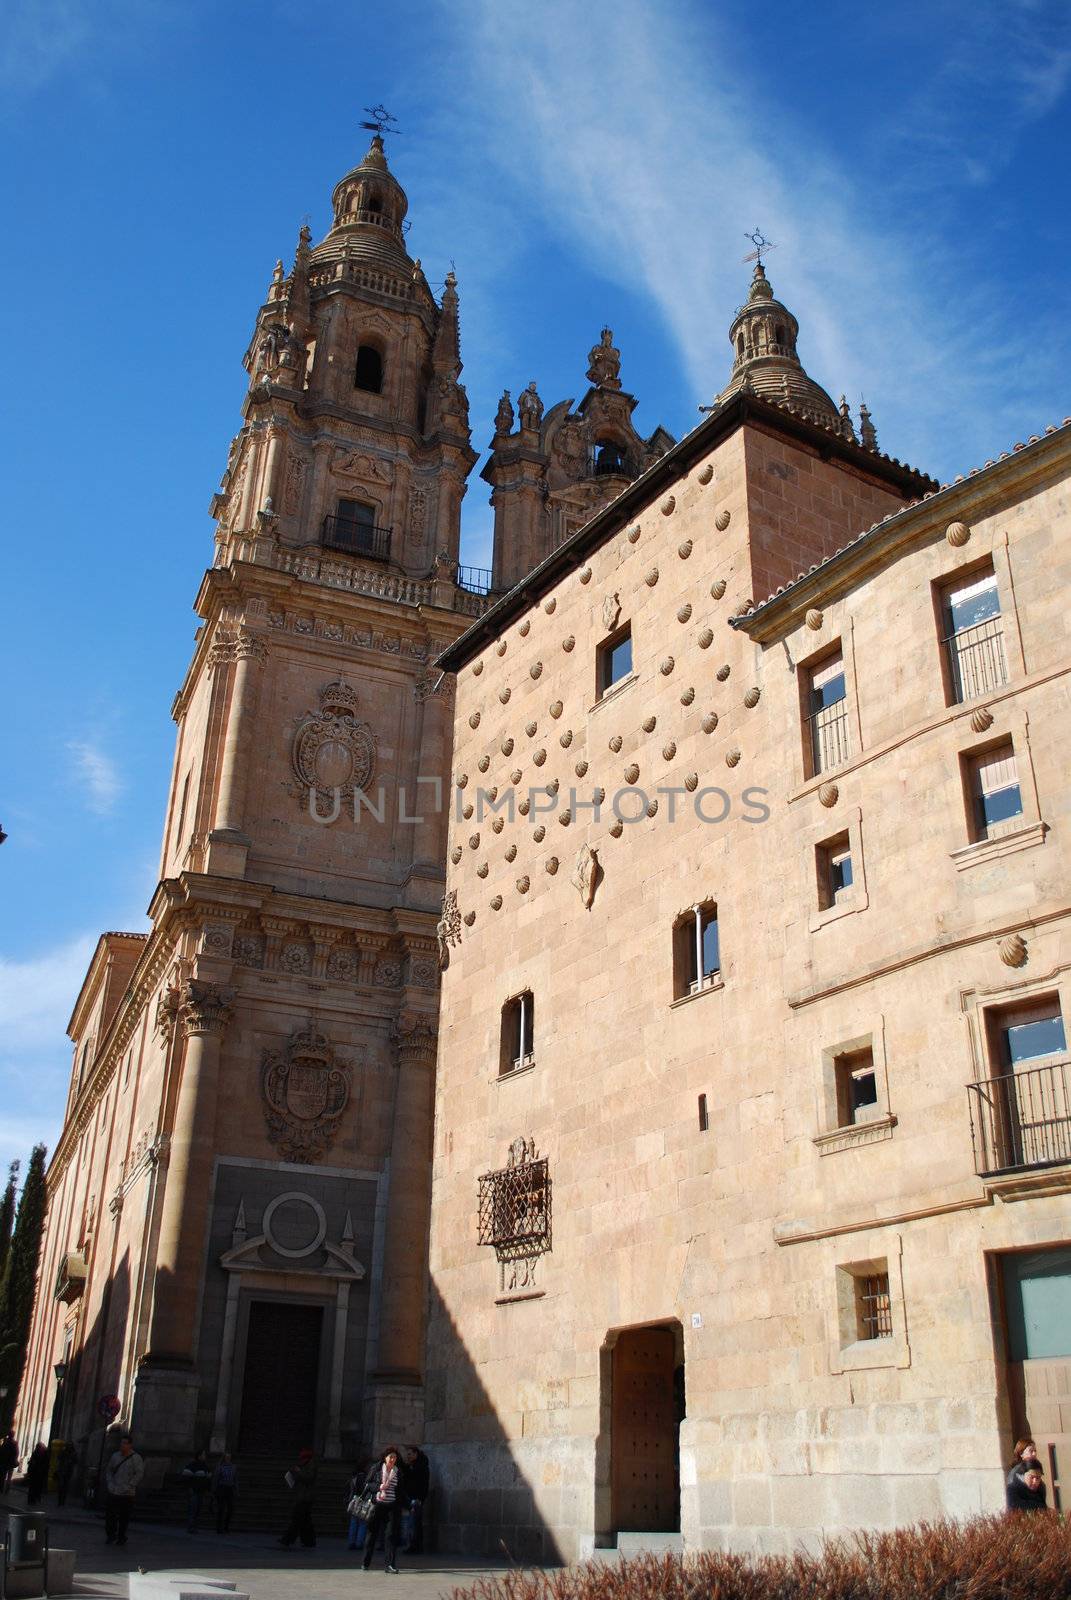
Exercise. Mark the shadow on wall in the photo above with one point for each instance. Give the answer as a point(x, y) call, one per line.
point(94, 1371)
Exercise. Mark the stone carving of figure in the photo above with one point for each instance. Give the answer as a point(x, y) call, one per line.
point(530, 407)
point(504, 414)
point(604, 362)
point(569, 445)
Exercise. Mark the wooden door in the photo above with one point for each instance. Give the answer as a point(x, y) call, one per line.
point(282, 1369)
point(643, 1438)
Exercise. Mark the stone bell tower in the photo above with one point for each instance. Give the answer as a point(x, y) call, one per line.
point(258, 1102)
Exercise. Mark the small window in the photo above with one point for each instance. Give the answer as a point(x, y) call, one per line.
point(1020, 1114)
point(974, 636)
point(614, 659)
point(740, 344)
point(368, 374)
point(827, 715)
point(996, 801)
point(1028, 1034)
point(835, 874)
point(857, 1088)
point(518, 1034)
point(873, 1307)
point(696, 952)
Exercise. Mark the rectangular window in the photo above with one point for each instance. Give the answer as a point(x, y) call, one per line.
point(614, 659)
point(1021, 1112)
point(974, 636)
point(1037, 1304)
point(857, 1088)
point(696, 953)
point(827, 716)
point(835, 875)
point(873, 1307)
point(518, 1034)
point(996, 799)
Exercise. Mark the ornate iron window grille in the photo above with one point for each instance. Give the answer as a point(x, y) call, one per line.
point(514, 1205)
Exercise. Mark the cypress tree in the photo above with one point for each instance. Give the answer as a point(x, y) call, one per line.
point(19, 1283)
point(7, 1215)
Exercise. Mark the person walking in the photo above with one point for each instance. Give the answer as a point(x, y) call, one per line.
point(302, 1481)
point(9, 1460)
point(36, 1473)
point(224, 1489)
point(68, 1460)
point(418, 1483)
point(386, 1512)
point(197, 1477)
point(121, 1478)
point(364, 1482)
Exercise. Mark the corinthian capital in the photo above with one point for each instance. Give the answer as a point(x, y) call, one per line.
point(415, 1037)
point(205, 1007)
point(250, 646)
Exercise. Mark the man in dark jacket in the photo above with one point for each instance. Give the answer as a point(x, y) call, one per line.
point(302, 1481)
point(1026, 1489)
point(417, 1484)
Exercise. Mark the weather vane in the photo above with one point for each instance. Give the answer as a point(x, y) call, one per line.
point(380, 121)
point(762, 246)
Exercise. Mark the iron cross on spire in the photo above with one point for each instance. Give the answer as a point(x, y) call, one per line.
point(763, 246)
point(380, 121)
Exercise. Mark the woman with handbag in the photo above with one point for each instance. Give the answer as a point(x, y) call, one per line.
point(386, 1510)
point(362, 1492)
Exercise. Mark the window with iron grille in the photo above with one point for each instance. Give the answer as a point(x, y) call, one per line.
point(514, 1204)
point(826, 699)
point(973, 636)
point(873, 1306)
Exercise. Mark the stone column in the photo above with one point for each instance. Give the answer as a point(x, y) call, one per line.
point(166, 1392)
point(228, 842)
point(398, 1376)
point(431, 802)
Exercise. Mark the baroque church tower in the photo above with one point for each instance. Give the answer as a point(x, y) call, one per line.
point(239, 1199)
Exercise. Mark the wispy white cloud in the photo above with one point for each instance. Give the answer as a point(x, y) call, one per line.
point(97, 775)
point(37, 995)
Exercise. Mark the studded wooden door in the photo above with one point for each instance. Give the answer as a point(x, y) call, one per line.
point(282, 1364)
point(643, 1440)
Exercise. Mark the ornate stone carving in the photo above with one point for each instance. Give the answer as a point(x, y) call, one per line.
point(814, 619)
point(709, 722)
point(632, 772)
point(633, 534)
point(167, 1010)
point(649, 724)
point(721, 521)
point(585, 874)
point(611, 610)
point(669, 751)
point(604, 362)
point(565, 739)
point(684, 550)
point(717, 588)
point(616, 742)
point(354, 464)
point(296, 958)
point(388, 974)
point(687, 696)
point(732, 757)
point(332, 753)
point(550, 606)
point(828, 795)
point(585, 575)
point(706, 638)
point(651, 577)
point(723, 672)
point(705, 474)
point(249, 949)
point(1013, 951)
point(981, 720)
point(751, 698)
point(556, 709)
point(666, 667)
point(504, 694)
point(342, 964)
point(448, 928)
point(293, 484)
point(957, 534)
point(205, 1007)
point(669, 505)
point(504, 416)
point(683, 613)
point(530, 407)
point(568, 643)
point(414, 1037)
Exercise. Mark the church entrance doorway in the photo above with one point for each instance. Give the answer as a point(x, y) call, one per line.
point(645, 1372)
point(282, 1370)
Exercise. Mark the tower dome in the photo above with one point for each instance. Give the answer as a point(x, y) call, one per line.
point(763, 336)
point(370, 206)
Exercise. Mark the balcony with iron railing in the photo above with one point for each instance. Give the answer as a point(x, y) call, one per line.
point(977, 664)
point(1021, 1120)
point(830, 741)
point(355, 538)
point(475, 580)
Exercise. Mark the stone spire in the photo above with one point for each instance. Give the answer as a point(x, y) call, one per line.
point(369, 209)
point(763, 337)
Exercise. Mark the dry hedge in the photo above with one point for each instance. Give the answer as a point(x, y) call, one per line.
point(988, 1558)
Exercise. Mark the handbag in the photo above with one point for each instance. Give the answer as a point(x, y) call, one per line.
point(361, 1506)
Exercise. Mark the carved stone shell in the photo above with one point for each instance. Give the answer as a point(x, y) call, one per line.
point(550, 606)
point(828, 795)
point(691, 781)
point(721, 521)
point(524, 884)
point(957, 534)
point(511, 853)
point(539, 756)
point(474, 841)
point(469, 918)
point(683, 613)
point(617, 828)
point(525, 628)
point(616, 742)
point(539, 834)
point(732, 757)
point(516, 775)
point(531, 729)
point(565, 817)
point(666, 667)
point(581, 768)
point(651, 578)
point(705, 474)
point(585, 576)
point(507, 746)
point(553, 786)
point(455, 854)
point(1013, 950)
point(565, 739)
point(688, 696)
point(524, 806)
point(668, 506)
point(477, 668)
point(482, 870)
point(669, 751)
point(652, 806)
point(497, 824)
point(492, 793)
point(751, 698)
point(723, 672)
point(706, 638)
point(496, 903)
point(632, 772)
point(981, 719)
point(551, 865)
point(466, 811)
point(556, 709)
point(536, 669)
point(500, 648)
point(568, 643)
point(709, 722)
point(684, 549)
point(649, 724)
point(814, 619)
point(717, 588)
point(598, 795)
point(504, 694)
point(474, 720)
point(462, 779)
point(633, 533)
point(483, 763)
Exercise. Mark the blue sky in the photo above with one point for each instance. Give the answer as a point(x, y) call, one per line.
point(579, 161)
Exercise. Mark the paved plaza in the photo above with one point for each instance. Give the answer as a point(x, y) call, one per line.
point(254, 1562)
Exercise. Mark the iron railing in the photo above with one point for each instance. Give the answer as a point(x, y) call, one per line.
point(477, 580)
point(830, 743)
point(514, 1209)
point(1021, 1119)
point(976, 661)
point(609, 466)
point(355, 538)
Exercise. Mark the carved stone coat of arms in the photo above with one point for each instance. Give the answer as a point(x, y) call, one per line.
point(333, 754)
point(305, 1095)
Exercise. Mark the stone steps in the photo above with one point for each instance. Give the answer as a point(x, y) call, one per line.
point(263, 1503)
point(637, 1544)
